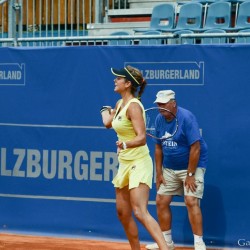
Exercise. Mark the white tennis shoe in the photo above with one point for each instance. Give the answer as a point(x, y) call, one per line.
point(154, 246)
point(199, 246)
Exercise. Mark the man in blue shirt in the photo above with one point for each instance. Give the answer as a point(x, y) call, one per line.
point(180, 161)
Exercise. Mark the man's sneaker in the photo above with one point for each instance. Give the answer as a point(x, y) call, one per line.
point(171, 245)
point(199, 246)
point(154, 246)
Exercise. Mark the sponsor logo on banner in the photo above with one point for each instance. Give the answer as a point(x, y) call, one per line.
point(171, 73)
point(12, 74)
point(58, 164)
point(243, 243)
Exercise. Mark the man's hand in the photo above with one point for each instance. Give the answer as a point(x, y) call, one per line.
point(190, 183)
point(160, 180)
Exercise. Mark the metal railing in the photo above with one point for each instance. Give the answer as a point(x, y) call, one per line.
point(97, 40)
point(59, 22)
point(45, 18)
point(64, 22)
point(216, 38)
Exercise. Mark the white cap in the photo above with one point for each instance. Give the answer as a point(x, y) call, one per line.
point(164, 96)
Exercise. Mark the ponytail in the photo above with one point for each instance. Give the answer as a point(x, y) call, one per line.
point(141, 82)
point(141, 90)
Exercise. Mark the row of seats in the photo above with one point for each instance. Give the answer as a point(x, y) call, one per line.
point(142, 41)
point(223, 37)
point(197, 17)
point(211, 39)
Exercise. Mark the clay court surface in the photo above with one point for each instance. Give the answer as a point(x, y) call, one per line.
point(24, 242)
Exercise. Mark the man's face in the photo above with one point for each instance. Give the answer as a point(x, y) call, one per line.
point(171, 106)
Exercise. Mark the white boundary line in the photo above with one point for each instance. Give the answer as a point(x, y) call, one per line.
point(67, 198)
point(51, 126)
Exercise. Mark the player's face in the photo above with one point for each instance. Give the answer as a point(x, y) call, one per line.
point(119, 84)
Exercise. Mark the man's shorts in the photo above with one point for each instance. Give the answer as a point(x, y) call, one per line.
point(132, 173)
point(175, 180)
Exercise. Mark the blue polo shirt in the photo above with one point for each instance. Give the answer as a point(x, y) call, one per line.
point(176, 149)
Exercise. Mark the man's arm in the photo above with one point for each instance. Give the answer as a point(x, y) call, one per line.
point(158, 164)
point(194, 156)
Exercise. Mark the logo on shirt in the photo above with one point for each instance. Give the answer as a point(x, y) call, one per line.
point(119, 118)
point(170, 144)
point(167, 135)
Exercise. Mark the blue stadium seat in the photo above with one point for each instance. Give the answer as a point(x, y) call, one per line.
point(190, 16)
point(243, 16)
point(214, 40)
point(151, 41)
point(119, 41)
point(243, 39)
point(184, 40)
point(218, 16)
point(162, 18)
point(205, 4)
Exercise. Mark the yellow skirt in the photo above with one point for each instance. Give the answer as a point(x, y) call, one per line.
point(132, 173)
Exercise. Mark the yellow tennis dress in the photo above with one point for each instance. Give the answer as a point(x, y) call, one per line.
point(135, 164)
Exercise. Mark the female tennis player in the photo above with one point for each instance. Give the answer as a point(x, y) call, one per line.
point(134, 178)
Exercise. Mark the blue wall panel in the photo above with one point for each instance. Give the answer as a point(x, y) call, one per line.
point(57, 161)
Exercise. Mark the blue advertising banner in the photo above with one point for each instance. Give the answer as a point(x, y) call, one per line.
point(57, 160)
point(12, 74)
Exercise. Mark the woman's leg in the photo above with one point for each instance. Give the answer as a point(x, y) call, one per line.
point(139, 201)
point(124, 212)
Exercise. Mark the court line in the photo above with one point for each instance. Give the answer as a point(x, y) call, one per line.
point(67, 198)
point(50, 126)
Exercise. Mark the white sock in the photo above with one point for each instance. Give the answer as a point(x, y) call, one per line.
point(198, 238)
point(168, 236)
